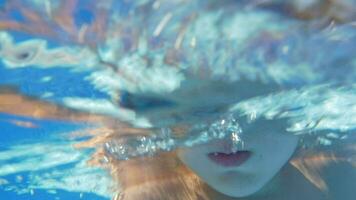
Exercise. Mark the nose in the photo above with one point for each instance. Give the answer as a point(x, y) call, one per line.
point(232, 143)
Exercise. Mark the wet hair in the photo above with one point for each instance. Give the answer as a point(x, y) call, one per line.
point(148, 178)
point(159, 177)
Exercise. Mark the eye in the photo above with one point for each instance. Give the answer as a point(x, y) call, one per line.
point(142, 103)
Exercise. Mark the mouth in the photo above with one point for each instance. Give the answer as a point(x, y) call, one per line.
point(230, 159)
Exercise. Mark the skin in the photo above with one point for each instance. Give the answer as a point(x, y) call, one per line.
point(271, 149)
point(287, 184)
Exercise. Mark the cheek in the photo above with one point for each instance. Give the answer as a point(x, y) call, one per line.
point(192, 158)
point(273, 146)
point(198, 162)
point(271, 154)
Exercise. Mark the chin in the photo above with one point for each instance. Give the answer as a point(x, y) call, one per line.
point(240, 193)
point(240, 190)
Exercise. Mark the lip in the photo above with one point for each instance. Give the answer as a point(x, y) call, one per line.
point(230, 159)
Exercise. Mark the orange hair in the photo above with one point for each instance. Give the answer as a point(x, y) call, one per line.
point(159, 177)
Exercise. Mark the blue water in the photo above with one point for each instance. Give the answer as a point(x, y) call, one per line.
point(23, 159)
point(43, 194)
point(270, 64)
point(47, 131)
point(43, 152)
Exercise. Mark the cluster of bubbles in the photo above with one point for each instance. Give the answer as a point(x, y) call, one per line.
point(164, 139)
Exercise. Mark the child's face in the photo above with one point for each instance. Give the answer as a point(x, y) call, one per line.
point(266, 145)
point(246, 171)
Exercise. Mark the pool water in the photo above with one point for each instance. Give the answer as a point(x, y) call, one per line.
point(71, 71)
